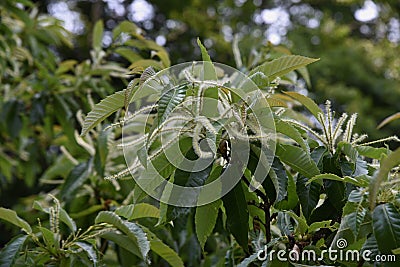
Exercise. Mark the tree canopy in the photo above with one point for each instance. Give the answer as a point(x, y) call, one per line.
point(92, 117)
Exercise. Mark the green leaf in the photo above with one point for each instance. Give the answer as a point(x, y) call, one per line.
point(128, 54)
point(165, 209)
point(163, 250)
point(102, 110)
point(284, 223)
point(162, 54)
point(298, 159)
point(276, 102)
point(49, 238)
point(308, 195)
point(306, 101)
point(314, 227)
point(194, 178)
point(355, 219)
point(236, 52)
point(329, 176)
point(170, 99)
point(10, 116)
point(279, 179)
point(372, 246)
point(356, 196)
point(206, 215)
point(260, 80)
point(237, 215)
point(186, 179)
point(249, 260)
point(302, 225)
point(209, 108)
point(98, 35)
point(6, 165)
point(142, 156)
point(64, 115)
point(12, 217)
point(83, 213)
point(306, 76)
point(372, 152)
point(283, 65)
point(335, 190)
point(389, 119)
point(10, 253)
point(145, 63)
point(66, 66)
point(317, 155)
point(257, 166)
point(132, 230)
point(75, 179)
point(205, 219)
point(127, 27)
point(345, 231)
point(18, 12)
point(136, 211)
point(291, 199)
point(90, 251)
point(144, 44)
point(386, 165)
point(386, 225)
point(123, 241)
point(61, 167)
point(291, 132)
point(203, 50)
point(129, 92)
point(161, 165)
point(349, 150)
point(361, 170)
point(102, 150)
point(26, 3)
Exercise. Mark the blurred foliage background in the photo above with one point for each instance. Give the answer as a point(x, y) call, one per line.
point(357, 41)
